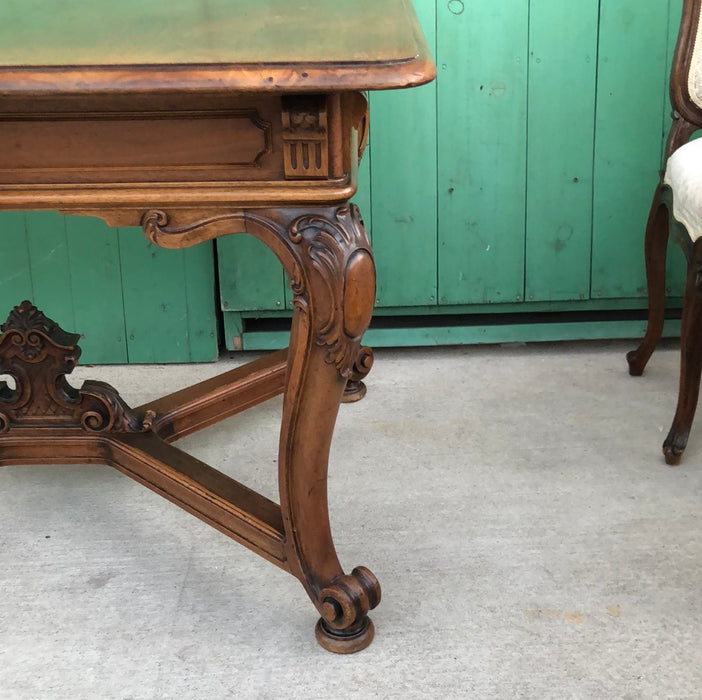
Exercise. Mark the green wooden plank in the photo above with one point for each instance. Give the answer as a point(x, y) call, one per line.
point(403, 201)
point(250, 275)
point(482, 87)
point(158, 305)
point(362, 198)
point(96, 290)
point(16, 280)
point(233, 325)
point(75, 280)
point(49, 262)
point(525, 308)
point(631, 74)
point(675, 262)
point(479, 334)
point(201, 306)
point(561, 123)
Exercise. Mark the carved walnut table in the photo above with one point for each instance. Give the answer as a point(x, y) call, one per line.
point(195, 119)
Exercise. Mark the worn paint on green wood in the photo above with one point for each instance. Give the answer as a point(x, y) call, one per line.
point(51, 275)
point(561, 124)
point(74, 270)
point(632, 71)
point(530, 308)
point(480, 334)
point(403, 198)
point(169, 313)
point(93, 260)
point(67, 268)
point(482, 98)
point(233, 328)
point(16, 279)
point(477, 323)
point(73, 263)
point(507, 199)
point(362, 198)
point(250, 275)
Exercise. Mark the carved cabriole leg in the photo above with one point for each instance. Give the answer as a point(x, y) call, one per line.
point(655, 246)
point(327, 255)
point(333, 281)
point(690, 360)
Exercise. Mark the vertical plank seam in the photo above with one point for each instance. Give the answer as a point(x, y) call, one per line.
point(593, 191)
point(29, 257)
point(127, 346)
point(527, 111)
point(71, 295)
point(186, 293)
point(437, 171)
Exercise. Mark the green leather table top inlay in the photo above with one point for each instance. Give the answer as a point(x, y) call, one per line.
point(158, 32)
point(93, 46)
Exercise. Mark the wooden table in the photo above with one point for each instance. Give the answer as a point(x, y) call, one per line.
point(195, 119)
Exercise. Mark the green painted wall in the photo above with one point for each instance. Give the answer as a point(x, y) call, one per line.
point(520, 179)
point(518, 182)
point(131, 301)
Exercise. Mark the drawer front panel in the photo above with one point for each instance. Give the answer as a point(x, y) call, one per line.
point(157, 147)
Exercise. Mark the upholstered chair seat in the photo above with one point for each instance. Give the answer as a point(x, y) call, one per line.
point(683, 174)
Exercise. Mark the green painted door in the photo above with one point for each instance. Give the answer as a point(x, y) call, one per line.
point(507, 200)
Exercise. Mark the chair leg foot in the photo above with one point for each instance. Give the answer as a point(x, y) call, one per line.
point(636, 361)
point(673, 447)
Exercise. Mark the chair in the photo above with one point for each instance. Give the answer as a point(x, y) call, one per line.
point(677, 208)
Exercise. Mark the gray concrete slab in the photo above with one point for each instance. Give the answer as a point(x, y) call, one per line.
point(513, 501)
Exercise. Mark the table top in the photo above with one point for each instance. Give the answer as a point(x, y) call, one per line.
point(260, 45)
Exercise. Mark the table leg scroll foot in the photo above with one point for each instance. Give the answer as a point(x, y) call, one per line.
point(344, 642)
point(355, 388)
point(354, 391)
point(345, 627)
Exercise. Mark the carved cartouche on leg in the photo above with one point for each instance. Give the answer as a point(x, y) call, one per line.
point(38, 355)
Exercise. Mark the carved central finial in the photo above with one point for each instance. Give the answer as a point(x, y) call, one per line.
point(26, 317)
point(38, 355)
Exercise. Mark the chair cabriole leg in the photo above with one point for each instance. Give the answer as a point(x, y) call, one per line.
point(690, 361)
point(655, 246)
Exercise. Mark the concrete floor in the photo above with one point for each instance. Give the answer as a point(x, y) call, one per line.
point(513, 502)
